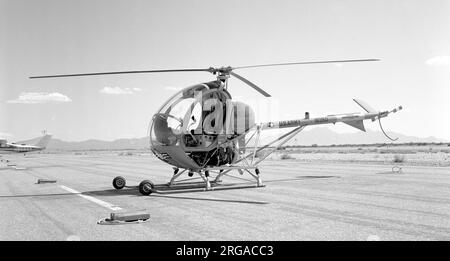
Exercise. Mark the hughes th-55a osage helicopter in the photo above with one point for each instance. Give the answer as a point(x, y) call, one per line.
point(201, 130)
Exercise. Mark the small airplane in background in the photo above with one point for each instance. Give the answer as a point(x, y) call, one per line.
point(22, 147)
point(13, 147)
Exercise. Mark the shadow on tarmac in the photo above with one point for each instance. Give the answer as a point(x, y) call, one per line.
point(164, 191)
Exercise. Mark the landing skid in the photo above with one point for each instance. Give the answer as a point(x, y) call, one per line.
point(210, 178)
point(207, 175)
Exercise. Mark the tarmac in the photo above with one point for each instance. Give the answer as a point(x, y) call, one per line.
point(300, 201)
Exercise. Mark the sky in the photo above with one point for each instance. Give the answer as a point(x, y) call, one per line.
point(42, 37)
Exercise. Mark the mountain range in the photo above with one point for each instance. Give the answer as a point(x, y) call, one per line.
point(319, 136)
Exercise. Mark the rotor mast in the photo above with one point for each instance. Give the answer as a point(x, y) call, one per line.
point(223, 74)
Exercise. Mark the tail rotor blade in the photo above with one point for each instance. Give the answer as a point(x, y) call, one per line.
point(249, 83)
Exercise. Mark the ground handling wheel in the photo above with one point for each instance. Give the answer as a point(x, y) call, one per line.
point(118, 182)
point(146, 187)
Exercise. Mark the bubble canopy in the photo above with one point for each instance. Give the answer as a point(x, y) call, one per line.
point(182, 113)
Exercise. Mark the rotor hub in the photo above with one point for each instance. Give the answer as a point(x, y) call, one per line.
point(221, 70)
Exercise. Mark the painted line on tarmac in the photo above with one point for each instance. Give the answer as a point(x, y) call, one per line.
point(92, 199)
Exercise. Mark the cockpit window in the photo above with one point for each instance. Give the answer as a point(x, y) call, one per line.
point(188, 92)
point(183, 113)
point(180, 109)
point(175, 116)
point(195, 117)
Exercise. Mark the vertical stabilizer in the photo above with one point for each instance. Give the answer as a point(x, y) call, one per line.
point(356, 124)
point(43, 141)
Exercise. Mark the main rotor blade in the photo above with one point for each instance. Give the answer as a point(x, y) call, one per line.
point(123, 72)
point(250, 84)
point(312, 62)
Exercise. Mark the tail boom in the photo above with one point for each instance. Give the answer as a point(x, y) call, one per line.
point(356, 121)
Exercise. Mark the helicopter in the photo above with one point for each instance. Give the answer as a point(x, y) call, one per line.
point(201, 130)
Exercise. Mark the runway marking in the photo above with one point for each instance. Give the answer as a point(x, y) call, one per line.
point(92, 199)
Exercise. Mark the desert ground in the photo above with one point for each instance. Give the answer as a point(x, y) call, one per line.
point(417, 155)
point(311, 193)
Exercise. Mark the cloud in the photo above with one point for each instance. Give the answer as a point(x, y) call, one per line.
point(40, 97)
point(172, 88)
point(118, 90)
point(439, 61)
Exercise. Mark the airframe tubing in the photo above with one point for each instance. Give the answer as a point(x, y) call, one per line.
point(174, 177)
point(206, 180)
point(286, 136)
point(293, 133)
point(289, 136)
point(298, 129)
point(258, 132)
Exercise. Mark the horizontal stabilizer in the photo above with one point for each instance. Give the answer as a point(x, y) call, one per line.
point(356, 124)
point(365, 106)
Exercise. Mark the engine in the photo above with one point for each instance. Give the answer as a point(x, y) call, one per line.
point(230, 142)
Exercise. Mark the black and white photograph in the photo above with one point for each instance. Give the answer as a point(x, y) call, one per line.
point(224, 121)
